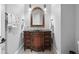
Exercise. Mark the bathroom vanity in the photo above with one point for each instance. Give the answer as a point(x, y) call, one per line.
point(37, 40)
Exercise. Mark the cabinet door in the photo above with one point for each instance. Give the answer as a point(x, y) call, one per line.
point(37, 41)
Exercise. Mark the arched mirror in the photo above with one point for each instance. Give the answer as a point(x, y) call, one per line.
point(37, 17)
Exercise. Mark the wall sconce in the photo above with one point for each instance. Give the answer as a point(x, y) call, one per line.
point(52, 24)
point(45, 8)
point(30, 7)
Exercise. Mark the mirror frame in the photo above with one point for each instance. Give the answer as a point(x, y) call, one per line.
point(32, 25)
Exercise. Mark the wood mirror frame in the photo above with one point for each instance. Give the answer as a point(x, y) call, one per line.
point(36, 25)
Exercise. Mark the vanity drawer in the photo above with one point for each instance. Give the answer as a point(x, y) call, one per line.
point(47, 40)
point(27, 40)
point(27, 37)
point(27, 34)
point(47, 33)
point(48, 37)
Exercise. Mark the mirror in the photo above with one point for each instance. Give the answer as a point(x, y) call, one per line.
point(37, 17)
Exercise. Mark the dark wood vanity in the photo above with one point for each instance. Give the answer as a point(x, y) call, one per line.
point(37, 40)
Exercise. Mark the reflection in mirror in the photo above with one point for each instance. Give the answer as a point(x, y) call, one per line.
point(37, 17)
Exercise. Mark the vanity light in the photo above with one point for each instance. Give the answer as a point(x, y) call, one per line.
point(44, 5)
point(30, 7)
point(45, 8)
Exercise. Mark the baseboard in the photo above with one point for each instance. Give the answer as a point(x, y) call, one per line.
point(19, 49)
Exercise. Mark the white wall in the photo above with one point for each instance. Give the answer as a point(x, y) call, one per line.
point(0, 19)
point(77, 26)
point(3, 21)
point(67, 28)
point(14, 39)
point(56, 15)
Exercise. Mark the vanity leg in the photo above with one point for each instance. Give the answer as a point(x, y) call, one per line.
point(31, 50)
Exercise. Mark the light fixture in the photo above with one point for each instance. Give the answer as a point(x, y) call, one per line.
point(29, 7)
point(45, 8)
point(44, 5)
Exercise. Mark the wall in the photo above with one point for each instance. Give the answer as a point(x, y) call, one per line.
point(56, 15)
point(67, 28)
point(3, 21)
point(0, 19)
point(77, 27)
point(14, 36)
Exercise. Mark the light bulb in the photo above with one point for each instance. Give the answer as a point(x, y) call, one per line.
point(45, 10)
point(30, 9)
